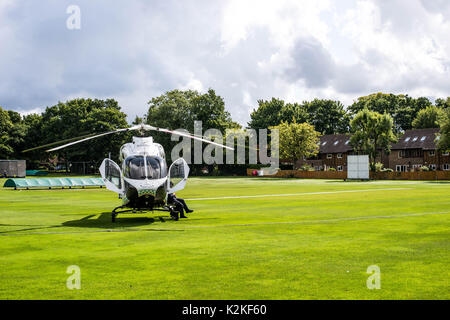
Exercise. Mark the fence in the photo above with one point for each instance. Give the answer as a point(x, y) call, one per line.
point(13, 168)
point(420, 175)
point(417, 175)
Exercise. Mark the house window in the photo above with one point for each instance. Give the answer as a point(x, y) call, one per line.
point(415, 139)
point(407, 139)
point(445, 153)
point(446, 167)
point(401, 168)
point(432, 167)
point(329, 156)
point(336, 142)
point(339, 155)
point(401, 154)
point(339, 168)
point(423, 138)
point(431, 153)
point(324, 143)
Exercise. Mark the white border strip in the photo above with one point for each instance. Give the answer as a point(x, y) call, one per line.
point(295, 194)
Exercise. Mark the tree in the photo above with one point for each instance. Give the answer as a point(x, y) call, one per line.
point(273, 112)
point(81, 117)
point(327, 116)
point(442, 103)
point(297, 140)
point(17, 134)
point(428, 118)
point(33, 138)
point(372, 133)
point(444, 132)
point(5, 128)
point(179, 109)
point(12, 134)
point(402, 108)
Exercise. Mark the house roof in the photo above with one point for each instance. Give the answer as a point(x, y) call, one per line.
point(335, 143)
point(417, 139)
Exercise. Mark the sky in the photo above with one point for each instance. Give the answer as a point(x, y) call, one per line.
point(245, 50)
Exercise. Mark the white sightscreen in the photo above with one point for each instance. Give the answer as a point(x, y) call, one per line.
point(358, 167)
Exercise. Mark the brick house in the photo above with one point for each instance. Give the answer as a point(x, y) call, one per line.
point(333, 151)
point(406, 155)
point(417, 148)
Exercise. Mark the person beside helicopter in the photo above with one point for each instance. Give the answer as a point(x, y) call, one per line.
point(180, 204)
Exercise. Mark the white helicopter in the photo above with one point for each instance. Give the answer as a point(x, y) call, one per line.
point(144, 182)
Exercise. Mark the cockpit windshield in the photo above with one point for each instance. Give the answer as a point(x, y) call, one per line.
point(134, 167)
point(156, 168)
point(140, 167)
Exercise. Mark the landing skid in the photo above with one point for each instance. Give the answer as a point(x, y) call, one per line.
point(170, 209)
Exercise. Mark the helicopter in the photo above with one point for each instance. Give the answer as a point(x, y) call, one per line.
point(143, 182)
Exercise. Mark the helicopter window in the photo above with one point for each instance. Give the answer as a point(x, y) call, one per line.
point(156, 168)
point(112, 174)
point(135, 167)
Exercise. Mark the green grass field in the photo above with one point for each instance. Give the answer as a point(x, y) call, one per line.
point(310, 239)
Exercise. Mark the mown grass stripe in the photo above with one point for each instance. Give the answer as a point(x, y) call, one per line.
point(295, 194)
point(234, 225)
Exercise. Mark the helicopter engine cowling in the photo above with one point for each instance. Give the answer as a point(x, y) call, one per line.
point(142, 145)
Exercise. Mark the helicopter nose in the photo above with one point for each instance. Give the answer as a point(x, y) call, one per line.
point(148, 199)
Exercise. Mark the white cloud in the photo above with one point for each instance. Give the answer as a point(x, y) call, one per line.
point(30, 111)
point(245, 50)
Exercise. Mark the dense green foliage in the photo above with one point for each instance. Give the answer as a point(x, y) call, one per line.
point(273, 112)
point(178, 109)
point(402, 108)
point(5, 128)
point(81, 117)
point(428, 118)
point(372, 133)
point(279, 247)
point(327, 116)
point(64, 121)
point(297, 140)
point(442, 103)
point(444, 138)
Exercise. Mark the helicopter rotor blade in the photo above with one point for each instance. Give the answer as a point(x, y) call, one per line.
point(143, 127)
point(58, 142)
point(191, 136)
point(89, 138)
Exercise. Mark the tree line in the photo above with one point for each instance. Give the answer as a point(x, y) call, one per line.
point(375, 122)
point(180, 108)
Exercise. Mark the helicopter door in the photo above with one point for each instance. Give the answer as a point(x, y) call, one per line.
point(178, 174)
point(112, 176)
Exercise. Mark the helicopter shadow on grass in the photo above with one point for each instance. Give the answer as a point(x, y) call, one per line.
point(122, 221)
point(30, 228)
point(103, 221)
